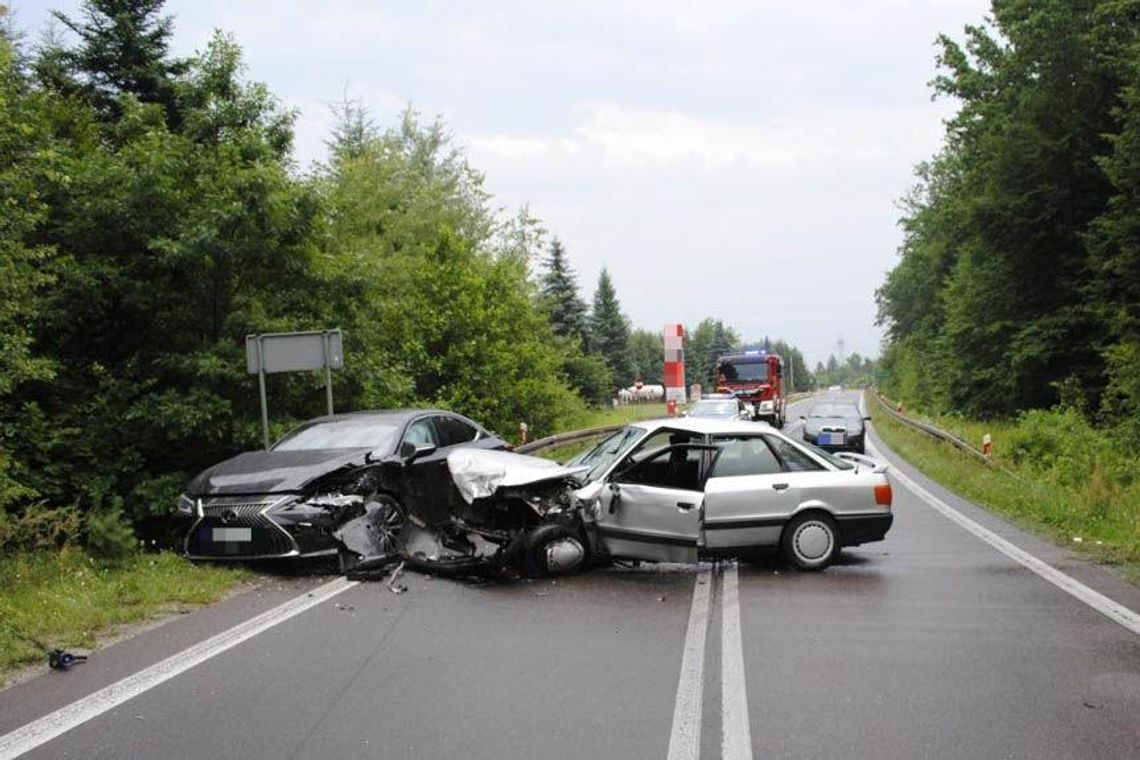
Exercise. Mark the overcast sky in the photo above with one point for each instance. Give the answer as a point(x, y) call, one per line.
point(736, 159)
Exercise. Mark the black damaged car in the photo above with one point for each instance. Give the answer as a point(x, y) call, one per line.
point(295, 498)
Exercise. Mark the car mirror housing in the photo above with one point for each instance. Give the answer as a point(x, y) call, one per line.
point(410, 452)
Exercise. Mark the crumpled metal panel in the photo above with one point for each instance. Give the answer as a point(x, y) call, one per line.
point(478, 473)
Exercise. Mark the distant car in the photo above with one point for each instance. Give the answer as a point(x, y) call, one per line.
point(679, 489)
point(721, 406)
point(835, 426)
point(285, 502)
point(835, 388)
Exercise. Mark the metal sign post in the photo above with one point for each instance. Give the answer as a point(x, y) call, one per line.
point(293, 352)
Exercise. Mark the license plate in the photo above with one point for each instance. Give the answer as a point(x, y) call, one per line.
point(232, 535)
point(832, 439)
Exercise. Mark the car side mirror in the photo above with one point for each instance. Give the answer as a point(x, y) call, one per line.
point(866, 419)
point(410, 452)
point(802, 417)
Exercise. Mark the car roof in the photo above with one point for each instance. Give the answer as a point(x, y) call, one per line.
point(716, 397)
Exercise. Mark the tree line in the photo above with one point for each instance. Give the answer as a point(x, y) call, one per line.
point(1019, 280)
point(154, 216)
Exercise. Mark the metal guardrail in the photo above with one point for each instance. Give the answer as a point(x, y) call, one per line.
point(562, 438)
point(938, 433)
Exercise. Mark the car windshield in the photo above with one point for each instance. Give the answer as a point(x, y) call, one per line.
point(713, 409)
point(744, 372)
point(351, 433)
point(600, 457)
point(835, 410)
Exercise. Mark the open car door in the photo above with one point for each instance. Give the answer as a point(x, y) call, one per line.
point(652, 510)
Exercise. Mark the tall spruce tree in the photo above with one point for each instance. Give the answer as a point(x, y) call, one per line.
point(564, 308)
point(123, 49)
point(609, 331)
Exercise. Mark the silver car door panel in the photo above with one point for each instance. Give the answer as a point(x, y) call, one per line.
point(748, 510)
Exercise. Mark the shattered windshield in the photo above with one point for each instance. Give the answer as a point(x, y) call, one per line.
point(600, 457)
point(353, 433)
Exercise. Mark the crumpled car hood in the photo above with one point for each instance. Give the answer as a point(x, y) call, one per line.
point(478, 473)
point(258, 472)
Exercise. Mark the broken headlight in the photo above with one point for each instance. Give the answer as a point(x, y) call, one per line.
point(186, 506)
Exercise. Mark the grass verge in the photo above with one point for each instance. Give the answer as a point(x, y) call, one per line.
point(67, 599)
point(1077, 514)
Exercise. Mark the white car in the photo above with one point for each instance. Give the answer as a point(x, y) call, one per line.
point(678, 489)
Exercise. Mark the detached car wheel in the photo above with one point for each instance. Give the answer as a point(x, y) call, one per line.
point(374, 540)
point(554, 550)
point(811, 541)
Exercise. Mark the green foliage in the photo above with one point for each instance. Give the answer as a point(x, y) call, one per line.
point(647, 353)
point(564, 308)
point(589, 375)
point(37, 528)
point(706, 343)
point(1018, 262)
point(609, 331)
point(109, 536)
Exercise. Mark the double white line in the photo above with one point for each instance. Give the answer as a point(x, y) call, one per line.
point(736, 737)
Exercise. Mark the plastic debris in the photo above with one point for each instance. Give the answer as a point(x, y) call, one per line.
point(59, 659)
point(391, 582)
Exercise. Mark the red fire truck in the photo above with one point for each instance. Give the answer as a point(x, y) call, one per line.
point(756, 378)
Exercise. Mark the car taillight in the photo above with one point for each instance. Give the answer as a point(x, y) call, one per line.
point(883, 494)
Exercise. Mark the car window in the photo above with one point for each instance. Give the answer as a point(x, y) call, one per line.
point(453, 430)
point(677, 467)
point(421, 432)
point(744, 455)
point(792, 458)
point(663, 437)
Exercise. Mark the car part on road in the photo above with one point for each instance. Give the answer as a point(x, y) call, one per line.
point(59, 659)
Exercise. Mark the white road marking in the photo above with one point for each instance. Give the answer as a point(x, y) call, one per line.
point(736, 738)
point(1098, 601)
point(685, 740)
point(32, 735)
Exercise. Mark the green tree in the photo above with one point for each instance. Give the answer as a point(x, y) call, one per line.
point(609, 331)
point(647, 351)
point(564, 308)
point(123, 50)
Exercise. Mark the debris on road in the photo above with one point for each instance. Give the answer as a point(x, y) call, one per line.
point(391, 584)
point(59, 659)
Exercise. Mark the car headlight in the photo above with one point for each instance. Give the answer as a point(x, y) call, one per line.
point(766, 405)
point(186, 505)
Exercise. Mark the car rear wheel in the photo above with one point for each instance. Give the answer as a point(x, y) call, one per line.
point(810, 541)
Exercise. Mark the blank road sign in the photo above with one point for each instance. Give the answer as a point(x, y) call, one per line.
point(293, 352)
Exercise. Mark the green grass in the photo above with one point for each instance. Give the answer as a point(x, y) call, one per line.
point(67, 599)
point(617, 416)
point(1103, 512)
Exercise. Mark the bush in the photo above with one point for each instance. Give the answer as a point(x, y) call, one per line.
point(109, 536)
point(39, 528)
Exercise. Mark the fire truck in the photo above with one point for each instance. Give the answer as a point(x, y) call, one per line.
point(757, 379)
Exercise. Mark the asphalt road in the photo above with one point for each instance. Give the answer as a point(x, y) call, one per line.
point(929, 644)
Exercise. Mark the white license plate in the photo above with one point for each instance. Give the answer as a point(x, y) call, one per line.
point(232, 534)
point(832, 439)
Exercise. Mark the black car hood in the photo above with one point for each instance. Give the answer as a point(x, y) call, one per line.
point(256, 472)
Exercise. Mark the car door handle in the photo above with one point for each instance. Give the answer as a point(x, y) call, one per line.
point(780, 486)
point(685, 505)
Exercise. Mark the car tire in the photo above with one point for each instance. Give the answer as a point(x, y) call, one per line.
point(810, 541)
point(554, 549)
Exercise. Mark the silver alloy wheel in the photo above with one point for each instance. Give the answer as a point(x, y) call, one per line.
point(564, 555)
point(389, 521)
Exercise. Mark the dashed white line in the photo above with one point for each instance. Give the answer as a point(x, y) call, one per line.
point(685, 739)
point(28, 737)
point(736, 737)
point(1098, 601)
